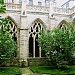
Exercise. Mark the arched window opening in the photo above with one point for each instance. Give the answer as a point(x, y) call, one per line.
point(9, 26)
point(13, 30)
point(63, 24)
point(31, 46)
point(74, 21)
point(34, 50)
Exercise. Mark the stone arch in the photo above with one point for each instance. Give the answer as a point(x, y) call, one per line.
point(10, 18)
point(14, 31)
point(73, 21)
point(34, 29)
point(12, 28)
point(63, 23)
point(38, 20)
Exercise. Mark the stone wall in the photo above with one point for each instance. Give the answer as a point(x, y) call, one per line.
point(44, 62)
point(38, 62)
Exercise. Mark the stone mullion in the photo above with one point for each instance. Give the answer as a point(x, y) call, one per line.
point(39, 51)
point(18, 42)
point(41, 27)
point(38, 29)
point(34, 46)
point(34, 36)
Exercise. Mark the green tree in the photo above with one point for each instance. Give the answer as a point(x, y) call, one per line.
point(8, 47)
point(58, 44)
point(2, 6)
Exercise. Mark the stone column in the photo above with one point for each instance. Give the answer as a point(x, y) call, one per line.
point(18, 42)
point(23, 11)
point(51, 6)
point(50, 13)
point(23, 15)
point(23, 33)
point(40, 52)
point(24, 44)
point(40, 47)
point(34, 46)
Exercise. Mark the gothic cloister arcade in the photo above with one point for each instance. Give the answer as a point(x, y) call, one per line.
point(14, 31)
point(63, 23)
point(34, 49)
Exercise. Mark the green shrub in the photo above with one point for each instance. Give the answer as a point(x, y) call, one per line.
point(10, 71)
point(58, 44)
point(8, 47)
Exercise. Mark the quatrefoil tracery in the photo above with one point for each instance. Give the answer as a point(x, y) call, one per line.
point(35, 29)
point(13, 30)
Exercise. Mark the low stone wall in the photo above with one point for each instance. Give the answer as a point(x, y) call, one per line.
point(44, 62)
point(38, 61)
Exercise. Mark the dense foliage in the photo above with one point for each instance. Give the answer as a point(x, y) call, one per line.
point(2, 6)
point(10, 71)
point(58, 44)
point(51, 70)
point(8, 47)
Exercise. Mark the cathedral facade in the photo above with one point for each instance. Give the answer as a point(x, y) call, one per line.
point(28, 17)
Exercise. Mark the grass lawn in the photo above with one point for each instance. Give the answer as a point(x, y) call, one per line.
point(52, 70)
point(10, 71)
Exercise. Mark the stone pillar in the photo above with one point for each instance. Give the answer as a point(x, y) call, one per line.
point(18, 42)
point(24, 33)
point(51, 8)
point(23, 15)
point(24, 44)
point(39, 51)
point(39, 47)
point(50, 13)
point(23, 11)
point(34, 46)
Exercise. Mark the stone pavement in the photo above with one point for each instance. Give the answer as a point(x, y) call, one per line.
point(27, 71)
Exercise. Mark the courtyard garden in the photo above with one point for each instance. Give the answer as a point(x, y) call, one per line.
point(8, 51)
point(10, 71)
point(52, 70)
point(8, 47)
point(58, 45)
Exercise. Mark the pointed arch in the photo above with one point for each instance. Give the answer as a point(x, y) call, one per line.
point(14, 31)
point(38, 20)
point(73, 21)
point(12, 28)
point(34, 29)
point(11, 19)
point(63, 23)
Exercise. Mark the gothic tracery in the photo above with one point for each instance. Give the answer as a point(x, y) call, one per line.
point(13, 30)
point(33, 35)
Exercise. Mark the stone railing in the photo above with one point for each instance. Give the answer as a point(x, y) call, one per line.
point(43, 9)
point(73, 8)
point(37, 8)
point(63, 11)
point(10, 6)
point(33, 8)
